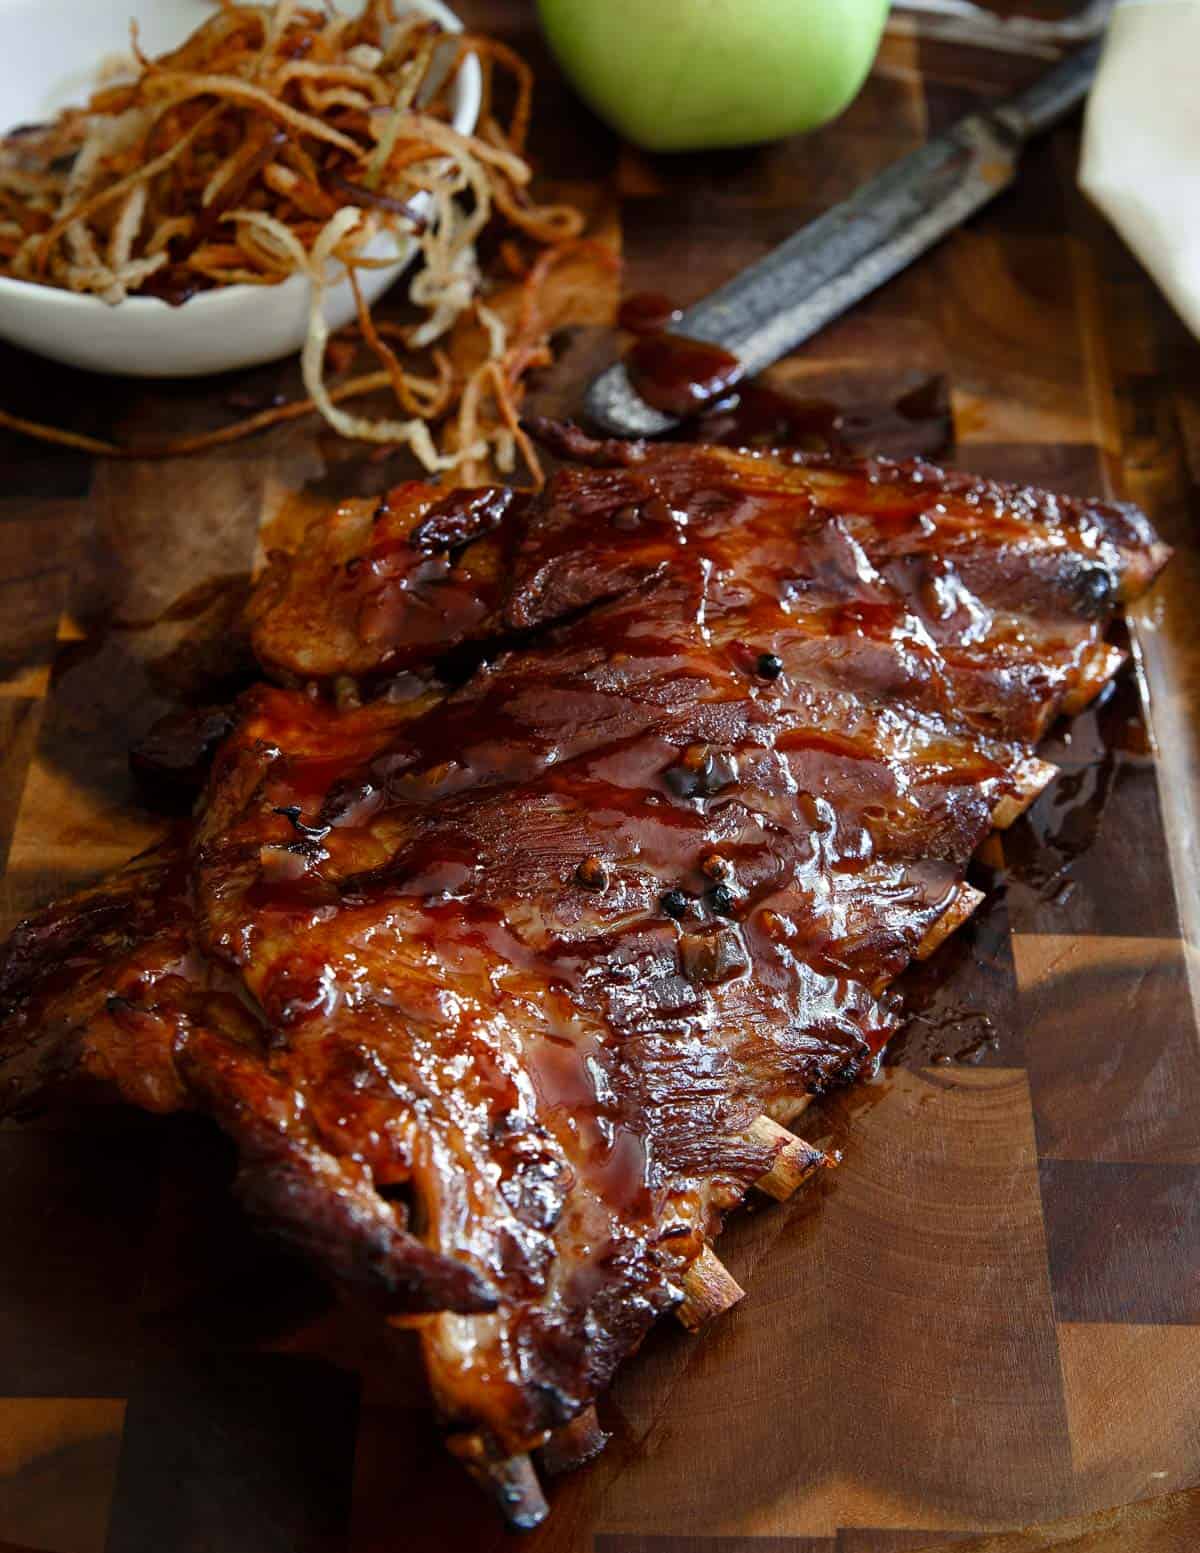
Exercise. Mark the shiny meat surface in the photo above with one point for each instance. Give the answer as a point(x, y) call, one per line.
point(382, 586)
point(489, 977)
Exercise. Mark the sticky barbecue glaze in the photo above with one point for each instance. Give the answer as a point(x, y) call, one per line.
point(678, 375)
point(488, 983)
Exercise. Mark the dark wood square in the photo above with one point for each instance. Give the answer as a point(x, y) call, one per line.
point(1113, 1060)
point(1123, 1241)
point(235, 1451)
point(78, 1208)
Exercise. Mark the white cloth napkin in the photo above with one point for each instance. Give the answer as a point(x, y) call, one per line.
point(1141, 146)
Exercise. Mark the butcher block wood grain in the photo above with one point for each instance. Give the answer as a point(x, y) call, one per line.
point(988, 1318)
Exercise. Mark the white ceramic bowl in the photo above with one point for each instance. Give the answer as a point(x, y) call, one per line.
point(50, 53)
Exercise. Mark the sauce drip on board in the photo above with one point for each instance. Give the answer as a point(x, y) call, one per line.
point(702, 384)
point(915, 423)
point(962, 1005)
point(680, 376)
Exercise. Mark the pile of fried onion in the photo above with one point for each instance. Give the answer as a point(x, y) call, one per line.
point(280, 140)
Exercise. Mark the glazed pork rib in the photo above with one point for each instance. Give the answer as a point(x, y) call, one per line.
point(502, 978)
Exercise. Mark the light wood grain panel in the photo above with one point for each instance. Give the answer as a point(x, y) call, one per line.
point(898, 1419)
point(1167, 1525)
point(1131, 1393)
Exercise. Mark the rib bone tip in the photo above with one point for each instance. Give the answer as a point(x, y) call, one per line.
point(795, 1160)
point(709, 1289)
point(510, 1481)
point(1031, 779)
point(573, 1444)
point(960, 908)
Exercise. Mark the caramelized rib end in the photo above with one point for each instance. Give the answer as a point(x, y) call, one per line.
point(1099, 667)
point(1032, 777)
point(960, 908)
point(709, 1289)
point(510, 1482)
point(574, 1445)
point(795, 1160)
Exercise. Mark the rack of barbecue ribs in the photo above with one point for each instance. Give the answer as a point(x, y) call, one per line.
point(568, 848)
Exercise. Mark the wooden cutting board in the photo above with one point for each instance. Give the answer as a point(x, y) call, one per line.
point(990, 1315)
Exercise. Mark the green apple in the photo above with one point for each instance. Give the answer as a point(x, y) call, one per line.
point(682, 75)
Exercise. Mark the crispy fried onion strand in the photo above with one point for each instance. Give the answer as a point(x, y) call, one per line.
point(283, 143)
